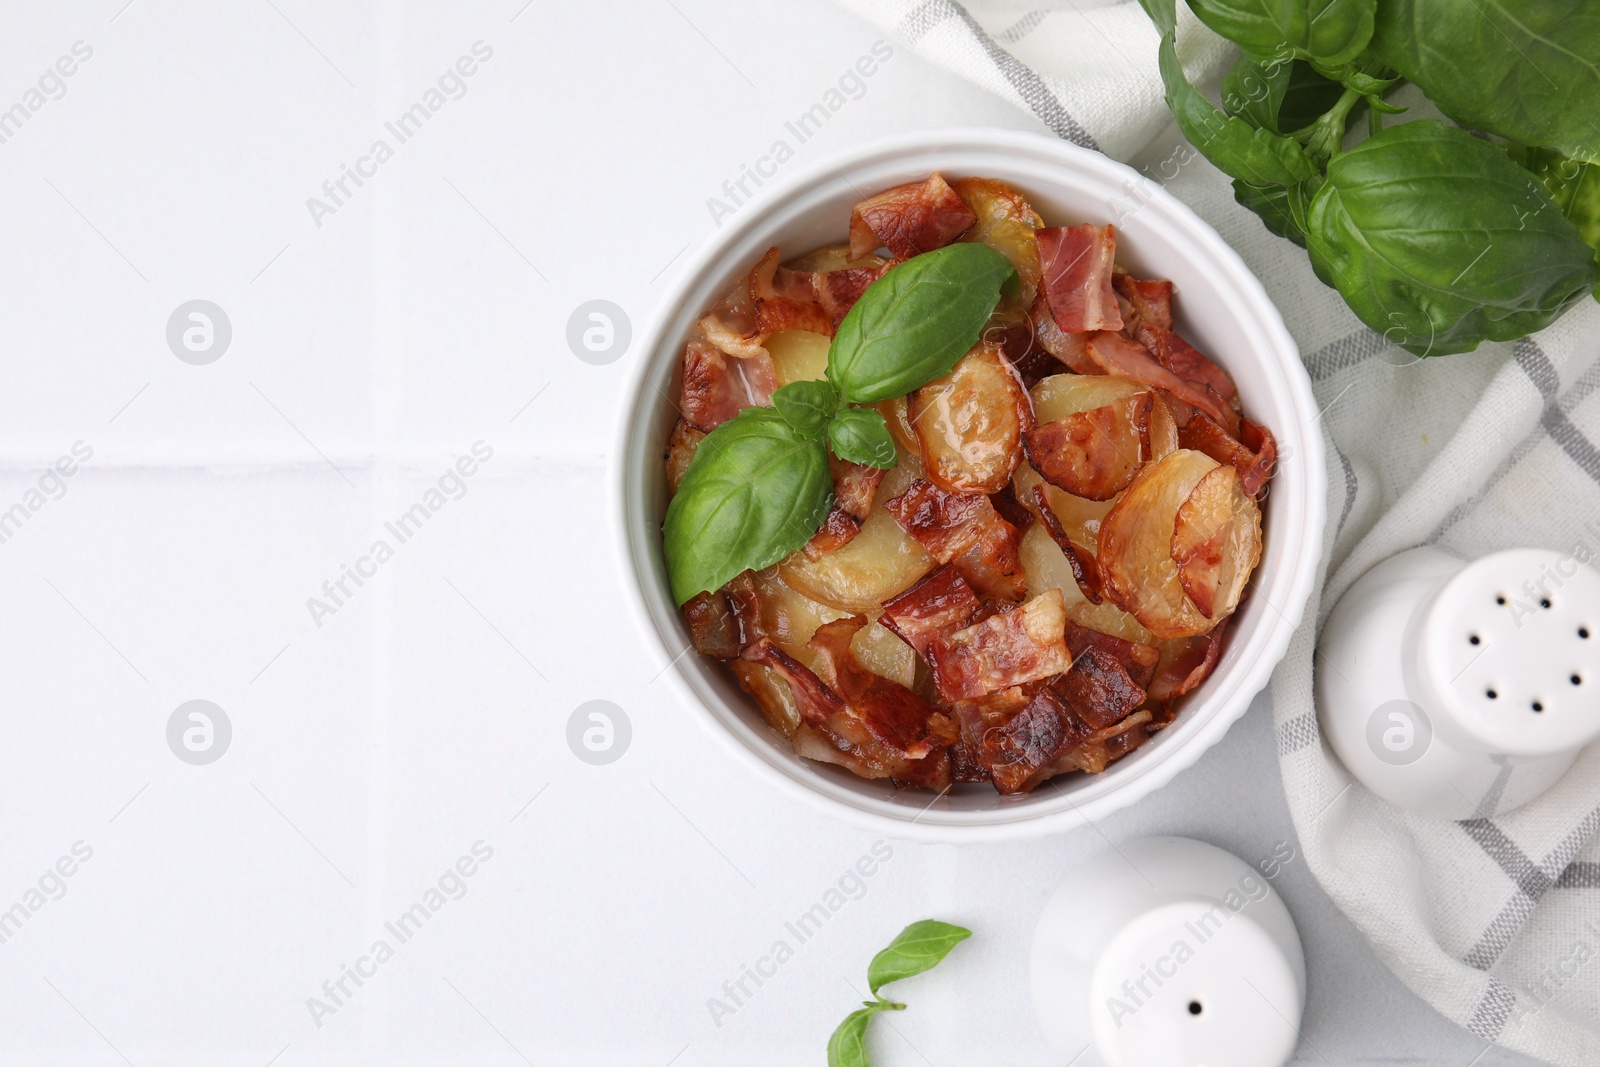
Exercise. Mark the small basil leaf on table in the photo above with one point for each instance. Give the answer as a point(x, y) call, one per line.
point(1332, 32)
point(860, 435)
point(920, 947)
point(848, 1045)
point(1436, 239)
point(914, 323)
point(1238, 149)
point(756, 490)
point(1524, 69)
point(807, 406)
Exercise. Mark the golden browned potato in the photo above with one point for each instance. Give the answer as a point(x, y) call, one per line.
point(1137, 570)
point(970, 423)
point(1216, 542)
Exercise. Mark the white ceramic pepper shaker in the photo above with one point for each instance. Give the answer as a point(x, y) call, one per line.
point(1463, 690)
point(1168, 952)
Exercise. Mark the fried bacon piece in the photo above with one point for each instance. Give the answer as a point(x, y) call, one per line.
point(1254, 454)
point(1190, 667)
point(861, 735)
point(1085, 567)
point(940, 604)
point(1016, 646)
point(894, 714)
point(680, 452)
point(1113, 353)
point(1143, 302)
point(1065, 347)
point(1016, 753)
point(716, 386)
point(909, 219)
point(964, 529)
point(1077, 262)
point(1093, 454)
point(1186, 361)
point(1099, 689)
point(814, 699)
point(1137, 659)
point(834, 291)
point(854, 486)
point(713, 627)
point(1011, 509)
point(1102, 747)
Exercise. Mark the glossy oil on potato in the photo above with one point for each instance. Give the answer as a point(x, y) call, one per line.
point(970, 423)
point(1135, 549)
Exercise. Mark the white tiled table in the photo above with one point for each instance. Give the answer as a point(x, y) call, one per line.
point(375, 745)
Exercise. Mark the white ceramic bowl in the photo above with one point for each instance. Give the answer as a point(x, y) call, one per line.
point(1221, 308)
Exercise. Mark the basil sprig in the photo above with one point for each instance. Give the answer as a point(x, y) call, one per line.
point(914, 323)
point(759, 485)
point(756, 490)
point(920, 947)
point(1434, 237)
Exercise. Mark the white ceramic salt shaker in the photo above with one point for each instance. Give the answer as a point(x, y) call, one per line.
point(1463, 690)
point(1168, 952)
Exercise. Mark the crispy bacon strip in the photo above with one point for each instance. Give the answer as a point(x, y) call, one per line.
point(681, 444)
point(1008, 649)
point(1115, 354)
point(1093, 454)
point(894, 714)
point(1066, 347)
point(815, 699)
point(713, 627)
point(1077, 263)
point(1186, 361)
point(1254, 457)
point(939, 604)
point(716, 386)
point(1191, 667)
point(1085, 567)
point(909, 219)
point(964, 529)
point(1138, 660)
point(854, 487)
point(1016, 753)
point(1149, 302)
point(1098, 689)
point(835, 292)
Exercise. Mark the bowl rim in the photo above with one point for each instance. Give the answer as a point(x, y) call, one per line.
point(634, 410)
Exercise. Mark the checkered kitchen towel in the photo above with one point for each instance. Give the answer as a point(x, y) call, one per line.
point(1495, 922)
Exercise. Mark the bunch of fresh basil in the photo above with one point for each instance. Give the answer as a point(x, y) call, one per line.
point(759, 484)
point(1437, 237)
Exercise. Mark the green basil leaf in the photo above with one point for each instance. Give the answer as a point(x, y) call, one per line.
point(848, 1045)
point(1239, 150)
point(1331, 32)
point(1164, 13)
point(915, 322)
point(1573, 185)
point(756, 490)
point(807, 406)
point(1271, 202)
point(860, 435)
point(1436, 239)
point(1253, 90)
point(920, 947)
point(1524, 69)
point(1308, 96)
